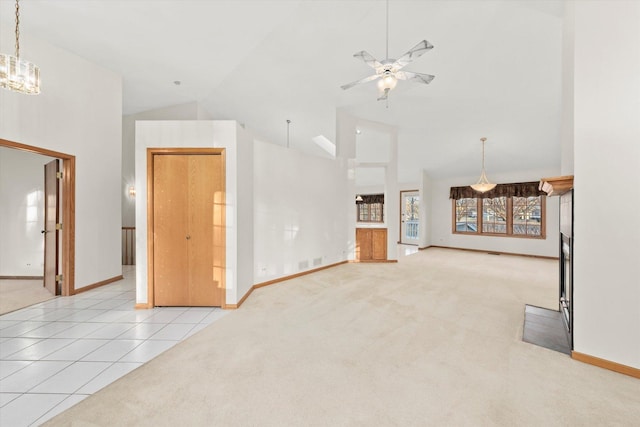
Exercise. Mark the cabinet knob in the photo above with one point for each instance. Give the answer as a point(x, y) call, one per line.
point(188, 237)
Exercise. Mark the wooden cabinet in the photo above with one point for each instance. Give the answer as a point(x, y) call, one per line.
point(371, 244)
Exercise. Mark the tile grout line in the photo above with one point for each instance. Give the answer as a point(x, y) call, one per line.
point(53, 314)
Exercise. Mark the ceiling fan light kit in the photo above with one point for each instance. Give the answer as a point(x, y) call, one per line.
point(388, 71)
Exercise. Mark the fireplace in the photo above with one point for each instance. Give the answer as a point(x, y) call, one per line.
point(566, 296)
point(566, 261)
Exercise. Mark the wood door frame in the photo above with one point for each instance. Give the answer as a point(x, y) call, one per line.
point(68, 209)
point(151, 152)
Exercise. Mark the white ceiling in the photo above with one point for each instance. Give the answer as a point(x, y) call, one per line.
point(497, 66)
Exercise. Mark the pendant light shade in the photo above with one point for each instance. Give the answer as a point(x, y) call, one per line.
point(17, 74)
point(483, 185)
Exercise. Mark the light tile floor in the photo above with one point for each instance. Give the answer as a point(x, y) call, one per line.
point(56, 353)
point(406, 250)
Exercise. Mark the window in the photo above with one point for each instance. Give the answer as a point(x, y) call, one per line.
point(527, 216)
point(466, 215)
point(510, 210)
point(494, 215)
point(371, 208)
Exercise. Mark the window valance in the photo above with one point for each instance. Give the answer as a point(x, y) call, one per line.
point(518, 189)
point(372, 198)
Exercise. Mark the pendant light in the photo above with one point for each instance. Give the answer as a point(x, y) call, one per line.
point(483, 185)
point(17, 74)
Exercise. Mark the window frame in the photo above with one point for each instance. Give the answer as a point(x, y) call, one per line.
point(371, 201)
point(370, 206)
point(509, 233)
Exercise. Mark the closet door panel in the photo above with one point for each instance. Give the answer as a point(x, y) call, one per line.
point(203, 183)
point(170, 216)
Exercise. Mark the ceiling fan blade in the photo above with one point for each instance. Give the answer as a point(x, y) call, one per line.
point(415, 52)
point(365, 80)
point(368, 59)
point(416, 77)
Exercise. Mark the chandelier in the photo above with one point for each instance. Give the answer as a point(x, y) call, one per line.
point(17, 74)
point(483, 185)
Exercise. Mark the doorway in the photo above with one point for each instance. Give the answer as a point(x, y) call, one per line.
point(67, 193)
point(409, 217)
point(186, 235)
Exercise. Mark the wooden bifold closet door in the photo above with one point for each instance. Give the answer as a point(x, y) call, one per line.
point(188, 222)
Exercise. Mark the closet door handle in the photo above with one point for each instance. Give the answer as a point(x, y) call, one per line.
point(188, 237)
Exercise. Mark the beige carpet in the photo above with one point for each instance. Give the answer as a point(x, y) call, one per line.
point(17, 294)
point(432, 340)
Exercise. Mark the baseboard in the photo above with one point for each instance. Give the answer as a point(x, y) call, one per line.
point(492, 252)
point(606, 364)
point(371, 261)
point(96, 285)
point(293, 276)
point(278, 280)
point(226, 306)
point(234, 306)
point(21, 278)
point(142, 306)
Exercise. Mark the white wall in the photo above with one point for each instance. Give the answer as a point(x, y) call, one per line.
point(567, 127)
point(79, 112)
point(300, 211)
point(607, 183)
point(425, 210)
point(238, 177)
point(21, 212)
point(244, 164)
point(441, 212)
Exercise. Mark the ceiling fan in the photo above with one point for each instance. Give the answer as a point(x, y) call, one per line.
point(389, 71)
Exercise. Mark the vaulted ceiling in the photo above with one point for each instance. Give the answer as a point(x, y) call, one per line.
point(497, 66)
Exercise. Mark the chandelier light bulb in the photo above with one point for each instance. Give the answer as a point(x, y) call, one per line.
point(17, 74)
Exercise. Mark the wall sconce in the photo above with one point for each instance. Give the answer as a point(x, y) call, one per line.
point(132, 191)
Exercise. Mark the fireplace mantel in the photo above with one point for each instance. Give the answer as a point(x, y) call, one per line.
point(556, 185)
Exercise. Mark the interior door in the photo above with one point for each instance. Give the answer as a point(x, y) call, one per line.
point(51, 218)
point(170, 209)
point(187, 224)
point(409, 217)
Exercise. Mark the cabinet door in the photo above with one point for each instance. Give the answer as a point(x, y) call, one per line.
point(379, 244)
point(363, 244)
